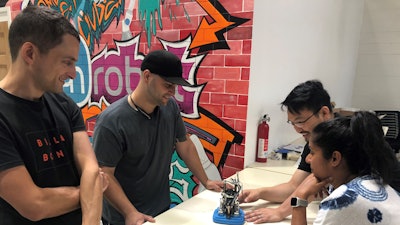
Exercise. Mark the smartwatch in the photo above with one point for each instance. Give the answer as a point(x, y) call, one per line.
point(296, 202)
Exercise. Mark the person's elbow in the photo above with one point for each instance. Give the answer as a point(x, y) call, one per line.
point(34, 211)
point(41, 205)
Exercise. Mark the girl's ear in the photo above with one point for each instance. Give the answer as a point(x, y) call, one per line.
point(336, 158)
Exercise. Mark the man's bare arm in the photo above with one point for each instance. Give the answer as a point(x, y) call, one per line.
point(33, 202)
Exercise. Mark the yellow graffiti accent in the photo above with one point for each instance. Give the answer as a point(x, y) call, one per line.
point(206, 32)
point(210, 126)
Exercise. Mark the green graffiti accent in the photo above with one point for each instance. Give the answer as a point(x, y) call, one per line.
point(148, 9)
point(181, 181)
point(186, 14)
point(147, 14)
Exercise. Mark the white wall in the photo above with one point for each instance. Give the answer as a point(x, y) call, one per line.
point(5, 14)
point(294, 41)
point(377, 83)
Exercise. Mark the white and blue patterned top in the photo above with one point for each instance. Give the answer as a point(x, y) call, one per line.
point(362, 201)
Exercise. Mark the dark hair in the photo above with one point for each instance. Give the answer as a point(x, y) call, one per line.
point(42, 26)
point(361, 142)
point(309, 95)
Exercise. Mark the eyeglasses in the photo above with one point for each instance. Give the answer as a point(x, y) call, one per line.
point(300, 124)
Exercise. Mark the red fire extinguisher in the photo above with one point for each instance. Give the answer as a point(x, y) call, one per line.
point(262, 139)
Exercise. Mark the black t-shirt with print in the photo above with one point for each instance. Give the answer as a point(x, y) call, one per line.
point(39, 135)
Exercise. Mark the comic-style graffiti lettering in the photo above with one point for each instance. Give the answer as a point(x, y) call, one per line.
point(69, 84)
point(79, 89)
point(112, 79)
point(116, 72)
point(92, 18)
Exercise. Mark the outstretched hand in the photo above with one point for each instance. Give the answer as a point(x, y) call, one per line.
point(214, 185)
point(250, 195)
point(264, 215)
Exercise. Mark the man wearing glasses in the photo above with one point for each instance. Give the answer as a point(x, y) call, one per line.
point(308, 104)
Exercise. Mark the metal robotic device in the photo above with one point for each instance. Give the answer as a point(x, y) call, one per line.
point(229, 211)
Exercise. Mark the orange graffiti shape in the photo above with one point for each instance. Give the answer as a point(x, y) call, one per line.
point(206, 32)
point(209, 125)
point(92, 111)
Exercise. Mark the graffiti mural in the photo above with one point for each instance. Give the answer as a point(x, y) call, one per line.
point(209, 36)
point(109, 73)
point(91, 18)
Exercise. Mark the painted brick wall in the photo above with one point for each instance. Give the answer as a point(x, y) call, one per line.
point(224, 72)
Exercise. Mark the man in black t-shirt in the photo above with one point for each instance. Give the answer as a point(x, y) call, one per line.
point(48, 171)
point(308, 104)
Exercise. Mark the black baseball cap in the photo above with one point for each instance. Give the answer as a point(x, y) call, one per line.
point(165, 64)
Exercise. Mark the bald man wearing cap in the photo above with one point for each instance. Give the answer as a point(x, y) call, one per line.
point(134, 139)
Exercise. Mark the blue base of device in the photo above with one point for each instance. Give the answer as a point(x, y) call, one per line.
point(234, 220)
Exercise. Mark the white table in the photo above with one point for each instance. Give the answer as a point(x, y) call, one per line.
point(280, 166)
point(200, 208)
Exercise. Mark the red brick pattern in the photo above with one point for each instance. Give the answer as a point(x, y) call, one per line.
point(225, 72)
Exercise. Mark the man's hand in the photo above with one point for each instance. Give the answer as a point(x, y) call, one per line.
point(214, 185)
point(250, 195)
point(138, 218)
point(264, 215)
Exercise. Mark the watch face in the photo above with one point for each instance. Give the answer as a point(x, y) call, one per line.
point(296, 202)
point(293, 202)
